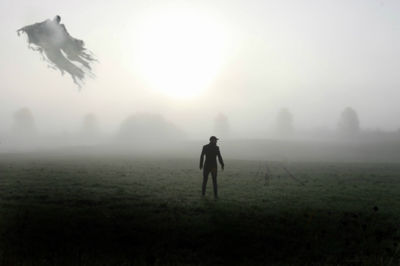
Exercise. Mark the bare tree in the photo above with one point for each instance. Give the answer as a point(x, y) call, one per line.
point(221, 125)
point(348, 122)
point(284, 122)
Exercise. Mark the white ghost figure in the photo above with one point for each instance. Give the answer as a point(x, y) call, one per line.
point(59, 48)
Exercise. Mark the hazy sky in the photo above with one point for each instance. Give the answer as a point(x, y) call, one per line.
point(190, 60)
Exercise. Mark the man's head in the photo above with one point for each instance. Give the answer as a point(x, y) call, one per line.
point(57, 19)
point(213, 139)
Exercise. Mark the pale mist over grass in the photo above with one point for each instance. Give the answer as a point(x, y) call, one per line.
point(152, 135)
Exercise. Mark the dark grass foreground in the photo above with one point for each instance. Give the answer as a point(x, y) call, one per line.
point(120, 211)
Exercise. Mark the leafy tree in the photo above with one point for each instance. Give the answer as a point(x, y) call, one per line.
point(24, 123)
point(348, 122)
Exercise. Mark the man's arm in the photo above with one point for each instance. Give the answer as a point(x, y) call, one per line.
point(221, 162)
point(202, 158)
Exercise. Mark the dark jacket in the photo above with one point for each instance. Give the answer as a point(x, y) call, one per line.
point(211, 152)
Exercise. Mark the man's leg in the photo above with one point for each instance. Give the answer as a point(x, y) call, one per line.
point(205, 178)
point(214, 173)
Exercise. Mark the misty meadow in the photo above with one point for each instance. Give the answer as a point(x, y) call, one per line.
point(200, 132)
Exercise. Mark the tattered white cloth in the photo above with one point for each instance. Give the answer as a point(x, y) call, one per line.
point(59, 48)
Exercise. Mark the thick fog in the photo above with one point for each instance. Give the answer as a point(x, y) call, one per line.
point(301, 80)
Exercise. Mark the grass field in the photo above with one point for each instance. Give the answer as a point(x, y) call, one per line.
point(99, 210)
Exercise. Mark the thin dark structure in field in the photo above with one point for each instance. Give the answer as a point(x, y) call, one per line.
point(259, 170)
point(267, 176)
point(292, 176)
point(268, 173)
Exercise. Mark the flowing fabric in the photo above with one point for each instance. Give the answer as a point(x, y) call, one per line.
point(60, 49)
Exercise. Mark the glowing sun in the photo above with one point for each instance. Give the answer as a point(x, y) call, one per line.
point(180, 51)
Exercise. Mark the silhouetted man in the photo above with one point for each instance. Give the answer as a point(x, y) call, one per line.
point(211, 151)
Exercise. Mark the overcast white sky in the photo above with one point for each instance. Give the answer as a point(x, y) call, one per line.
point(250, 58)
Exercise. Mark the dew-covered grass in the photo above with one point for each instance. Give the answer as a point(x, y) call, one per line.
point(117, 210)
